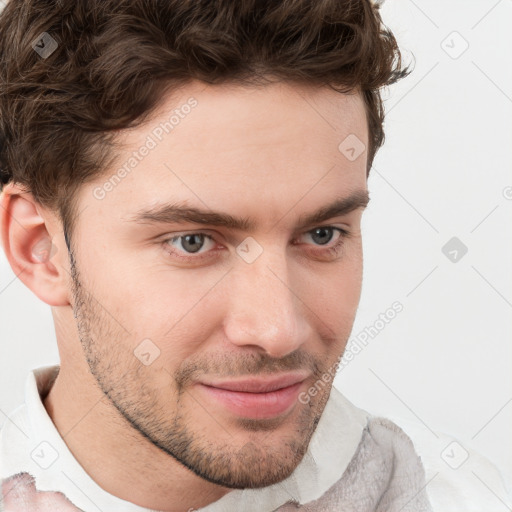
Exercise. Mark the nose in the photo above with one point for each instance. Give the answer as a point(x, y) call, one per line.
point(264, 310)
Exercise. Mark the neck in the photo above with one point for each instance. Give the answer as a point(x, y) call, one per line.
point(130, 467)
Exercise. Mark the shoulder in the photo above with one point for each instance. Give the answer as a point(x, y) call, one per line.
point(389, 453)
point(385, 449)
point(457, 476)
point(384, 475)
point(389, 435)
point(13, 440)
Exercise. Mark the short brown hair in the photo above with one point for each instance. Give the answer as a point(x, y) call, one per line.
point(116, 58)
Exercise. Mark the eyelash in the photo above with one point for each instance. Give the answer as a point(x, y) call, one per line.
point(331, 251)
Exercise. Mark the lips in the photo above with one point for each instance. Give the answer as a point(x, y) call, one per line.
point(256, 398)
point(258, 385)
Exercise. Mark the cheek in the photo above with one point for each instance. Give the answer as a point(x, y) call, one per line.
point(329, 303)
point(179, 314)
point(146, 298)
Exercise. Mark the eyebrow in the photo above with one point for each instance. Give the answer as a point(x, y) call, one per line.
point(180, 212)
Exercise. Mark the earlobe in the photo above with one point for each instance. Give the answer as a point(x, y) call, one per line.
point(32, 245)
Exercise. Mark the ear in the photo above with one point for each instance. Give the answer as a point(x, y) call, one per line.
point(34, 245)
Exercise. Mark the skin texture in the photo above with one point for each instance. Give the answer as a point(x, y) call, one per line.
point(148, 433)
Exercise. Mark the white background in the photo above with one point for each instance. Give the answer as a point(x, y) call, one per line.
point(445, 361)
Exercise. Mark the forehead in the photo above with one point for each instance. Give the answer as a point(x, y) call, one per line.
point(202, 115)
point(260, 147)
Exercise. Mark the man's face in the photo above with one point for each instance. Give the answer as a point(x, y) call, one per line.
point(172, 313)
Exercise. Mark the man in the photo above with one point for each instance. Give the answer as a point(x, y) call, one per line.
point(183, 185)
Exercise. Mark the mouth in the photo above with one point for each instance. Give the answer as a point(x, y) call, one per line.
point(256, 398)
